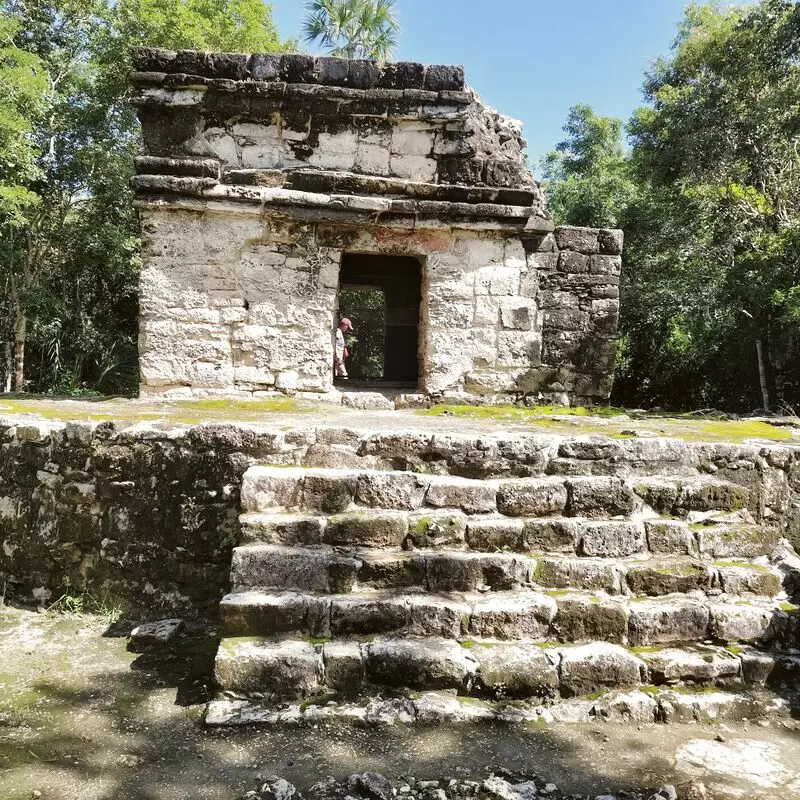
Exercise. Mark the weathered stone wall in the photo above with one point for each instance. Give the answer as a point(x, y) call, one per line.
point(263, 171)
point(246, 303)
point(141, 514)
point(260, 112)
point(149, 514)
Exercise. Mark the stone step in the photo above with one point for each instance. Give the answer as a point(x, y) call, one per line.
point(324, 568)
point(516, 453)
point(565, 616)
point(688, 705)
point(445, 528)
point(292, 669)
point(332, 491)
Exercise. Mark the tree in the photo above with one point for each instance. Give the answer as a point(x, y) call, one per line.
point(353, 28)
point(587, 176)
point(720, 145)
point(22, 101)
point(75, 255)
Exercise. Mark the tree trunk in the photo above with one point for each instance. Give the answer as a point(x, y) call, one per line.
point(7, 368)
point(762, 375)
point(20, 326)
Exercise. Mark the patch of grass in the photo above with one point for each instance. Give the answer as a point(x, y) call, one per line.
point(318, 700)
point(739, 430)
point(81, 604)
point(789, 608)
point(695, 688)
point(315, 640)
point(593, 695)
point(469, 644)
point(743, 564)
point(43, 408)
point(532, 413)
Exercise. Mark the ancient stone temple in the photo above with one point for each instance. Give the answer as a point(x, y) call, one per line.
point(271, 183)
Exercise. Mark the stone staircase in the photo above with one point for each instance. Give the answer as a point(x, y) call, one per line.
point(381, 591)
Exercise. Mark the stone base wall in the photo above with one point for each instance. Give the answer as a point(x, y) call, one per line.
point(235, 299)
point(150, 514)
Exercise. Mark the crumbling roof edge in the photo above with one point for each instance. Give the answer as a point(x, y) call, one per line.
point(299, 68)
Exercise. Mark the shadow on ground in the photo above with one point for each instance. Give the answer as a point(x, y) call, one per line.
point(81, 717)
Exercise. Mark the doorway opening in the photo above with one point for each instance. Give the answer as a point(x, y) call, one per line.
point(381, 295)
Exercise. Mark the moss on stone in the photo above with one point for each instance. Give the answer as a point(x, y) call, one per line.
point(318, 700)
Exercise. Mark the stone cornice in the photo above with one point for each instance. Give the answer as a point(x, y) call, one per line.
point(203, 194)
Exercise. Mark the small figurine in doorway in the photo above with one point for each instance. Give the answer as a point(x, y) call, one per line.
point(340, 348)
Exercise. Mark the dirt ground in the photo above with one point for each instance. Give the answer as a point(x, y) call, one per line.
point(82, 718)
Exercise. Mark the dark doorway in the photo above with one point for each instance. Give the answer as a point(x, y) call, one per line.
point(382, 295)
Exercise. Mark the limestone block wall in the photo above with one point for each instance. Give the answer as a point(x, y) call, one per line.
point(234, 304)
point(240, 302)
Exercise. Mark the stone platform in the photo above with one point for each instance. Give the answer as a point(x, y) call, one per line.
point(424, 573)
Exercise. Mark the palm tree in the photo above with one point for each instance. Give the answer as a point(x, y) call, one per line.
point(353, 28)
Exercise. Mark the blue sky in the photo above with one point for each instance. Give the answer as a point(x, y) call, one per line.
point(533, 59)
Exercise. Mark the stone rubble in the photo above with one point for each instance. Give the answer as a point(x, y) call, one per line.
point(505, 786)
point(155, 634)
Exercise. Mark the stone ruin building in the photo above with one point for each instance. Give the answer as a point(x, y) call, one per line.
point(271, 182)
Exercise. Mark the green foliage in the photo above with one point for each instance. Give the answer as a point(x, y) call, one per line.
point(82, 603)
point(353, 28)
point(239, 26)
point(587, 175)
point(68, 235)
point(22, 101)
point(366, 344)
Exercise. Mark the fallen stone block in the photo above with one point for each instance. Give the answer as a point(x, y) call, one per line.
point(154, 634)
